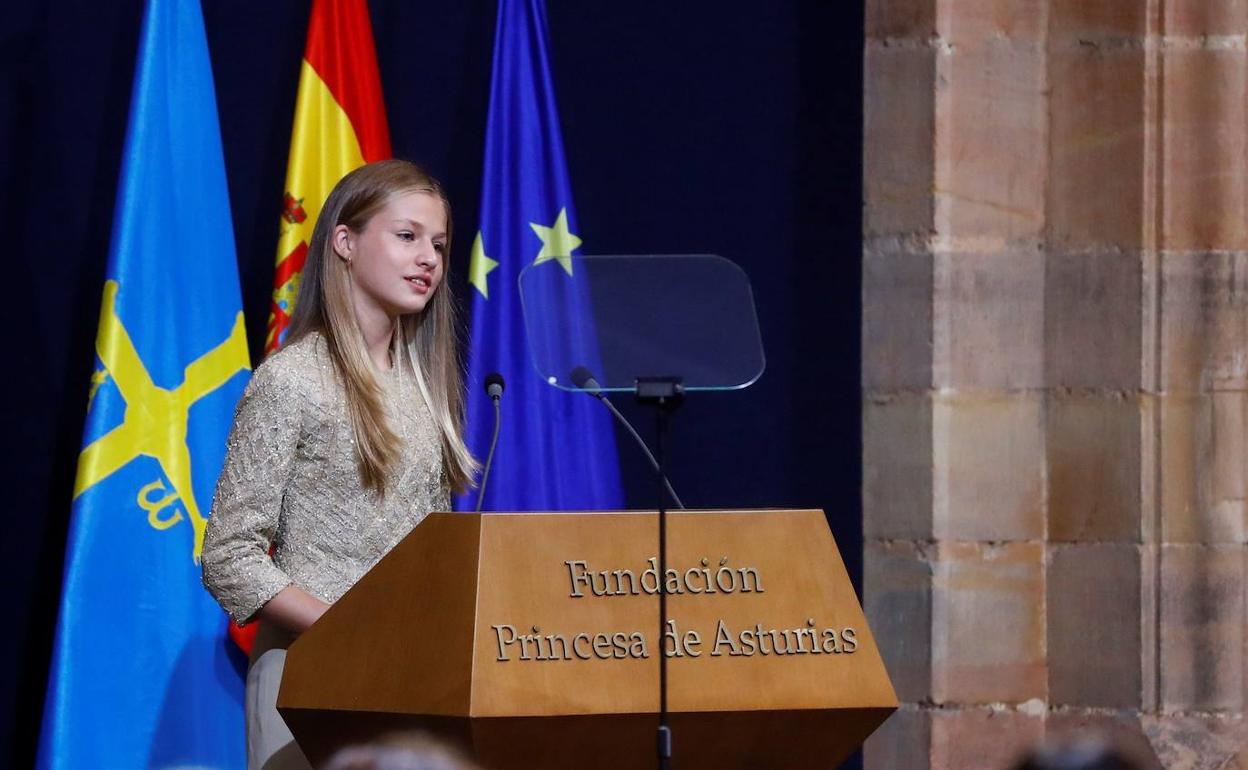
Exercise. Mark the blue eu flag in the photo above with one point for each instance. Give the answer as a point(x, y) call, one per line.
point(555, 450)
point(141, 676)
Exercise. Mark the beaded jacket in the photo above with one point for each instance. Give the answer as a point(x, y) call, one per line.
point(291, 479)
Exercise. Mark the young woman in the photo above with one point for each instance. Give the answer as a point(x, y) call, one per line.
point(346, 437)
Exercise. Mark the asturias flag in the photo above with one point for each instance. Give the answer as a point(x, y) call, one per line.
point(141, 674)
point(340, 124)
point(556, 450)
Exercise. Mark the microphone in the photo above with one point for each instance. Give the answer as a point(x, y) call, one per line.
point(494, 386)
point(583, 379)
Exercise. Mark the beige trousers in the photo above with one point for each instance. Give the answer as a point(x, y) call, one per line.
point(270, 746)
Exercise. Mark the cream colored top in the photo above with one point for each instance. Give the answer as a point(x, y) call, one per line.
point(291, 479)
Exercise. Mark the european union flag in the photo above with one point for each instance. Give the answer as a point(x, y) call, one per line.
point(556, 450)
point(141, 675)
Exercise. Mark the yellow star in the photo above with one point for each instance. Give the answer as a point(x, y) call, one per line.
point(479, 267)
point(557, 242)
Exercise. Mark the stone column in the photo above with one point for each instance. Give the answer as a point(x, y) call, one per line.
point(1055, 360)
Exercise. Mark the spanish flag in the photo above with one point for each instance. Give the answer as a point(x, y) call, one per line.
point(340, 124)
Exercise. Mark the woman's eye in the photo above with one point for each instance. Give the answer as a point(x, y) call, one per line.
point(441, 247)
point(407, 235)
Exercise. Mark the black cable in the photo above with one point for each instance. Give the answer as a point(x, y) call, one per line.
point(649, 455)
point(489, 460)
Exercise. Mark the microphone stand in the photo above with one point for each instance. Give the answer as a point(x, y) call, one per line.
point(494, 389)
point(665, 394)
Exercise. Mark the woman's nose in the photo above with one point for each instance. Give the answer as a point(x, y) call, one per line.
point(428, 256)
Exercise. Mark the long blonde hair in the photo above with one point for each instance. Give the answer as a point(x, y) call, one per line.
point(426, 341)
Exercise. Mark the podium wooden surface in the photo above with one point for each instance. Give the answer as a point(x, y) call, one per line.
point(472, 628)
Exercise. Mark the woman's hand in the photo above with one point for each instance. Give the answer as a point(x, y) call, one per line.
point(293, 609)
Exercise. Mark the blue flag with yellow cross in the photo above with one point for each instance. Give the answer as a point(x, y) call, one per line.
point(556, 450)
point(141, 675)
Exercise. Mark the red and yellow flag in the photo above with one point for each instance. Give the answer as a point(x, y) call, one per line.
point(340, 124)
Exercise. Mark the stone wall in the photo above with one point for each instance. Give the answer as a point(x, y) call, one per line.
point(1055, 371)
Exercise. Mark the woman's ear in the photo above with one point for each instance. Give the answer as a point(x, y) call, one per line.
point(343, 242)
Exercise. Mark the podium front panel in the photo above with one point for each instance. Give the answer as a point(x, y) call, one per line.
point(762, 616)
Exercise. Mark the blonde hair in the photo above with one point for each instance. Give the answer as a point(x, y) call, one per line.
point(402, 751)
point(425, 341)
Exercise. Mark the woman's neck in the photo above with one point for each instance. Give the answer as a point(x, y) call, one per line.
point(378, 329)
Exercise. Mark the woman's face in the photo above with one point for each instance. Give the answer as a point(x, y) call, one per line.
point(397, 261)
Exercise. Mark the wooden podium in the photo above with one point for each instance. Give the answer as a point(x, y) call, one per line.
point(530, 639)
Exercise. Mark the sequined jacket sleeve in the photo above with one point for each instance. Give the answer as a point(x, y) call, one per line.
point(246, 508)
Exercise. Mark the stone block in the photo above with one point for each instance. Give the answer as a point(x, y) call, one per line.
point(1204, 322)
point(897, 467)
point(1203, 203)
point(1094, 625)
point(896, 322)
point(920, 738)
point(1197, 18)
point(1150, 465)
point(1202, 461)
point(903, 741)
point(988, 321)
point(1190, 298)
point(983, 738)
point(1092, 320)
point(993, 22)
point(1096, 179)
point(1081, 23)
point(1150, 630)
point(1202, 628)
point(991, 130)
point(1119, 729)
point(988, 466)
point(1094, 455)
point(898, 141)
point(1229, 462)
point(889, 19)
point(1196, 742)
point(988, 634)
point(897, 597)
